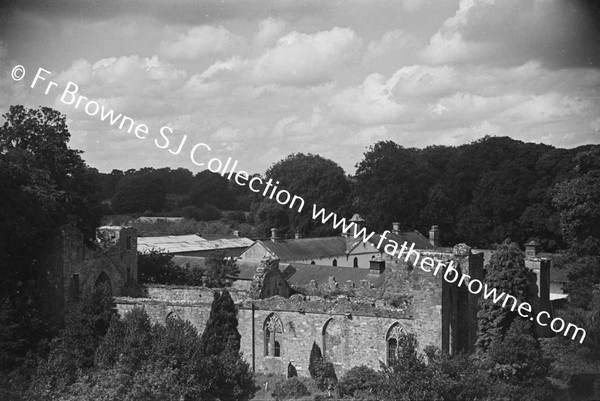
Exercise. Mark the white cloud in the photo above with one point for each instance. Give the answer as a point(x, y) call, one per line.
point(394, 45)
point(269, 31)
point(197, 42)
point(299, 58)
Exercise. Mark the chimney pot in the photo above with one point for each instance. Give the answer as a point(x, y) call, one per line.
point(434, 236)
point(396, 227)
point(273, 234)
point(298, 235)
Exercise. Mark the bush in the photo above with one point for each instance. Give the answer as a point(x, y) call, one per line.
point(291, 371)
point(291, 388)
point(359, 378)
point(325, 375)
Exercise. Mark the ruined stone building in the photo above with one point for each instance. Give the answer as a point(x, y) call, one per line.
point(73, 266)
point(355, 314)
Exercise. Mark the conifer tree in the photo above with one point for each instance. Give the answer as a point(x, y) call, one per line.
point(221, 333)
point(315, 358)
point(291, 371)
point(506, 272)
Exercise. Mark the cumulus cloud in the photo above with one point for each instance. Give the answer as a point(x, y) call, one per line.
point(511, 32)
point(296, 59)
point(197, 42)
point(133, 75)
point(392, 44)
point(270, 29)
point(300, 58)
point(421, 97)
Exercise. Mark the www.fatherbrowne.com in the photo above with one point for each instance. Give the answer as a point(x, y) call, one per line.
point(450, 274)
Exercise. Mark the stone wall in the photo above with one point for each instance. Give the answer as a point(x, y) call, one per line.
point(351, 328)
point(70, 266)
point(350, 333)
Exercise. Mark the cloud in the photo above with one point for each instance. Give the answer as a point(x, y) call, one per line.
point(132, 75)
point(421, 97)
point(510, 32)
point(296, 59)
point(270, 29)
point(392, 44)
point(300, 58)
point(197, 42)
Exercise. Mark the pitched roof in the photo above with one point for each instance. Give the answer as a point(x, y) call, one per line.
point(189, 243)
point(300, 274)
point(420, 241)
point(307, 248)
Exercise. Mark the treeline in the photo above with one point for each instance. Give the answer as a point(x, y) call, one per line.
point(479, 193)
point(171, 192)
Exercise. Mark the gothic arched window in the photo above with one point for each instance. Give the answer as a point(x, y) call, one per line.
point(394, 340)
point(334, 263)
point(273, 330)
point(355, 262)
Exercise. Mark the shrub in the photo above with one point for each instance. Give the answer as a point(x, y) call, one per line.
point(291, 388)
point(359, 378)
point(325, 375)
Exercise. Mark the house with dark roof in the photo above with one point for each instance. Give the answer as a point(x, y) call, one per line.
point(344, 250)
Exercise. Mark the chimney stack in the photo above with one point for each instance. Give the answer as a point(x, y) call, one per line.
point(298, 235)
point(236, 233)
point(434, 236)
point(532, 248)
point(376, 266)
point(396, 228)
point(273, 235)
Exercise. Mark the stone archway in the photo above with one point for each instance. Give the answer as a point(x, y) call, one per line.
point(103, 279)
point(333, 341)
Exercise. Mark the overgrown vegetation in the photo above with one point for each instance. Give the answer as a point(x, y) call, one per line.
point(101, 356)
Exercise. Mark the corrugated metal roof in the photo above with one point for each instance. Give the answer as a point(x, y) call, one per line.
point(189, 243)
point(300, 274)
point(307, 248)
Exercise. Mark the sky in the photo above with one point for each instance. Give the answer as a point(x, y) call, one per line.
point(259, 80)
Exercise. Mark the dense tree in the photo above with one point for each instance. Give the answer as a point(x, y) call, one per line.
point(392, 184)
point(506, 272)
point(221, 334)
point(359, 380)
point(407, 377)
point(290, 389)
point(219, 270)
point(211, 189)
point(140, 361)
point(86, 323)
point(139, 193)
point(45, 185)
point(269, 215)
point(578, 200)
point(315, 179)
